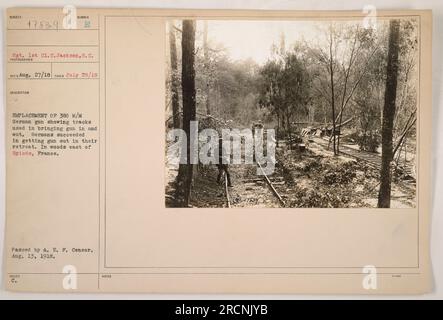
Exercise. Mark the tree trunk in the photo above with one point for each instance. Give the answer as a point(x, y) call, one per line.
point(207, 66)
point(331, 73)
point(189, 108)
point(384, 195)
point(278, 128)
point(340, 120)
point(288, 127)
point(174, 78)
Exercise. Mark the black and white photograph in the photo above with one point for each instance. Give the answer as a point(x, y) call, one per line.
point(298, 114)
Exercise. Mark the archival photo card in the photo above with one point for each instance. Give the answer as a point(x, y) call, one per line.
point(218, 151)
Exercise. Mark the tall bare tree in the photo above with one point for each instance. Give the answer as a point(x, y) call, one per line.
point(347, 53)
point(174, 77)
point(206, 65)
point(331, 74)
point(185, 173)
point(384, 195)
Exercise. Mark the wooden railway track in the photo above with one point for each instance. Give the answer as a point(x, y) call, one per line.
point(267, 180)
point(268, 183)
point(372, 159)
point(228, 198)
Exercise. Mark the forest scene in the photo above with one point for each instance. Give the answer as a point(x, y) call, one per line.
point(338, 99)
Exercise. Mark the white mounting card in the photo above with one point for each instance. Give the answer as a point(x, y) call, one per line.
point(218, 151)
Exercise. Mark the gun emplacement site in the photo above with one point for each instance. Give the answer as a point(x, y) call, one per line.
point(334, 103)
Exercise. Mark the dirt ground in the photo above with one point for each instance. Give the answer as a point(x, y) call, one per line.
point(313, 178)
point(316, 179)
point(248, 190)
